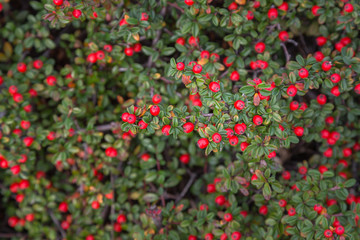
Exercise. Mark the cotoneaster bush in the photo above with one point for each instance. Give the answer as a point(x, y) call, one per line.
point(172, 119)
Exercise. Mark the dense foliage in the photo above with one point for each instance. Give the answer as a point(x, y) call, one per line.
point(173, 119)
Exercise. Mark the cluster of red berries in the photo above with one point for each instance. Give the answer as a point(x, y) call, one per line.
point(99, 55)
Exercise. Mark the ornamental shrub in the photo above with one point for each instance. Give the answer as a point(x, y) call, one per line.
point(179, 119)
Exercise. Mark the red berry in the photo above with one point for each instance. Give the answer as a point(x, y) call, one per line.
point(291, 91)
point(111, 152)
point(121, 218)
point(286, 175)
point(21, 67)
point(209, 236)
point(216, 137)
point(156, 99)
point(326, 66)
point(92, 58)
point(260, 47)
point(227, 64)
point(13, 221)
point(328, 233)
point(58, 2)
point(155, 110)
point(282, 203)
point(211, 188)
point(203, 143)
point(188, 127)
point(321, 40)
point(30, 217)
point(38, 64)
point(339, 46)
point(51, 80)
point(220, 200)
point(324, 133)
point(281, 128)
point(25, 124)
point(303, 73)
point(239, 105)
point(129, 51)
point(315, 10)
point(214, 87)
point(145, 157)
point(299, 131)
point(189, 2)
point(284, 36)
point(108, 48)
point(235, 76)
point(197, 68)
point(339, 230)
point(335, 91)
point(232, 6)
point(100, 55)
point(319, 56)
point(180, 41)
point(240, 128)
point(235, 236)
point(243, 146)
point(272, 154)
point(144, 16)
point(318, 208)
point(192, 237)
point(257, 120)
point(51, 136)
point(228, 217)
point(292, 211)
point(117, 227)
point(142, 124)
point(294, 105)
point(348, 8)
point(15, 169)
point(166, 130)
point(321, 99)
point(28, 141)
point(335, 78)
point(63, 207)
point(124, 116)
point(234, 140)
point(323, 169)
point(65, 225)
point(328, 152)
point(250, 15)
point(347, 152)
point(272, 14)
point(193, 41)
point(229, 132)
point(180, 66)
point(345, 41)
point(95, 204)
point(263, 210)
point(76, 13)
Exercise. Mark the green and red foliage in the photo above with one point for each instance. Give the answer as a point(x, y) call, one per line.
point(179, 119)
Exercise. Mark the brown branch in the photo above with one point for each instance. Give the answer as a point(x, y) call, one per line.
point(186, 188)
point(174, 5)
point(166, 80)
point(57, 223)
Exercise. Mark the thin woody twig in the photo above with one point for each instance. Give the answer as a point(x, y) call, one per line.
point(186, 188)
point(57, 223)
